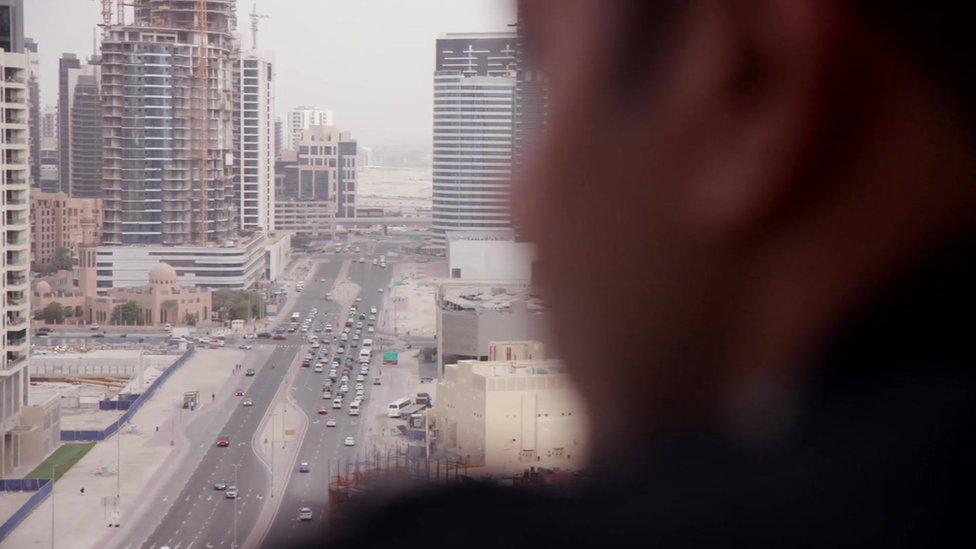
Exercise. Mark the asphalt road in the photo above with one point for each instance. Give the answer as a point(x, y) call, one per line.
point(201, 516)
point(323, 447)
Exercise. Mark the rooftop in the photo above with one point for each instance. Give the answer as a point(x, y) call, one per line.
point(488, 296)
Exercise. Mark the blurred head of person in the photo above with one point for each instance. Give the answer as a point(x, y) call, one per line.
point(723, 185)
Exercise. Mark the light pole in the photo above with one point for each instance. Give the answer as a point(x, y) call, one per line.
point(273, 416)
point(236, 466)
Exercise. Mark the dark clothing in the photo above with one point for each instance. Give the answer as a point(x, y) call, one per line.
point(875, 456)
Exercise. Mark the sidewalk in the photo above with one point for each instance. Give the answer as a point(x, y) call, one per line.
point(147, 457)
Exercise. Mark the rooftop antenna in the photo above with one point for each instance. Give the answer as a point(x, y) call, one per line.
point(254, 15)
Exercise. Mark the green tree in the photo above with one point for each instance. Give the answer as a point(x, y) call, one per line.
point(53, 313)
point(62, 259)
point(129, 313)
point(238, 304)
point(190, 320)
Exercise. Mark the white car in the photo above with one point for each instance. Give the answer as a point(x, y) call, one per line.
point(350, 441)
point(379, 290)
point(360, 393)
point(318, 369)
point(360, 377)
point(343, 388)
point(331, 422)
point(370, 330)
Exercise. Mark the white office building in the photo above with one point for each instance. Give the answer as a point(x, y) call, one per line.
point(301, 119)
point(489, 255)
point(234, 265)
point(474, 83)
point(254, 141)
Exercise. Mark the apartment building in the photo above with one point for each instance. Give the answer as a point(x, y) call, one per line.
point(504, 416)
point(254, 141)
point(303, 118)
point(15, 203)
point(59, 221)
point(168, 128)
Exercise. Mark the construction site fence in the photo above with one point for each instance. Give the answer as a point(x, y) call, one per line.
point(133, 405)
point(41, 488)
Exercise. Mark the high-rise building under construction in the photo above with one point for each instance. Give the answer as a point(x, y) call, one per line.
point(167, 100)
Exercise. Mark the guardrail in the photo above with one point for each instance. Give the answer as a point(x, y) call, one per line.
point(41, 488)
point(133, 407)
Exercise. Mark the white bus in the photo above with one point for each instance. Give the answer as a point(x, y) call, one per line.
point(396, 407)
point(354, 409)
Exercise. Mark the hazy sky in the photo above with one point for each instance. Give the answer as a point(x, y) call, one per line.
point(370, 61)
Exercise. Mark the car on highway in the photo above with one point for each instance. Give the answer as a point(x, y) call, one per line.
point(247, 402)
point(360, 393)
point(231, 492)
point(343, 388)
point(323, 410)
point(337, 403)
point(331, 422)
point(305, 514)
point(304, 467)
point(239, 392)
point(360, 377)
point(220, 485)
point(321, 280)
point(376, 381)
point(250, 372)
point(318, 369)
point(279, 337)
point(223, 441)
point(359, 300)
point(370, 330)
point(326, 394)
point(350, 441)
point(245, 346)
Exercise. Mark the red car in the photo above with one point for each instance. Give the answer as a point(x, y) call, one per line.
point(223, 441)
point(323, 411)
point(279, 337)
point(239, 392)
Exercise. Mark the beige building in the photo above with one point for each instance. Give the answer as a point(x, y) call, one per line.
point(58, 221)
point(504, 416)
point(162, 301)
point(15, 248)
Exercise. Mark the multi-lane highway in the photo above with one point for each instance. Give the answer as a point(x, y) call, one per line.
point(201, 516)
point(323, 447)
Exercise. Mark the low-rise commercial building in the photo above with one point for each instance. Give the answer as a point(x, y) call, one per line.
point(489, 255)
point(237, 264)
point(305, 216)
point(277, 255)
point(470, 315)
point(502, 417)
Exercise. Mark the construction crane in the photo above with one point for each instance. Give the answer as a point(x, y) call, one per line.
point(254, 15)
point(203, 114)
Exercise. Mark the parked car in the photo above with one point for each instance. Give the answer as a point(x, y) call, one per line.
point(220, 485)
point(250, 372)
point(231, 492)
point(350, 441)
point(279, 337)
point(331, 422)
point(245, 346)
point(305, 514)
point(247, 402)
point(303, 467)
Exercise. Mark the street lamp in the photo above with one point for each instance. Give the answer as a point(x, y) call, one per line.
point(236, 466)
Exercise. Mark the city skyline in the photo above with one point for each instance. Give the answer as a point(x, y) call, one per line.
point(387, 107)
